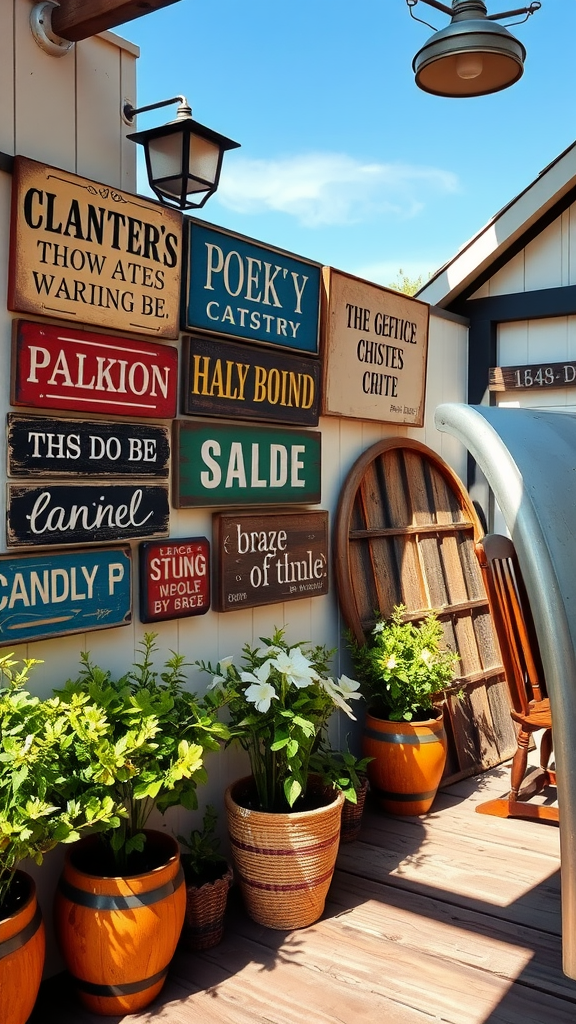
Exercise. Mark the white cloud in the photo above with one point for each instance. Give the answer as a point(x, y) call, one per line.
point(330, 188)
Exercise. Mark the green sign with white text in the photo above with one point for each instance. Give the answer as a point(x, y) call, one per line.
point(225, 464)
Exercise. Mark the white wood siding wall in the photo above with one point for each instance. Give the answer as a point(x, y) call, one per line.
point(65, 111)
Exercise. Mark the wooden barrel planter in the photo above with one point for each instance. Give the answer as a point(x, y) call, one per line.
point(283, 862)
point(119, 934)
point(22, 949)
point(409, 759)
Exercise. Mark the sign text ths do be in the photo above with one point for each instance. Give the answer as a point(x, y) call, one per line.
point(267, 557)
point(89, 253)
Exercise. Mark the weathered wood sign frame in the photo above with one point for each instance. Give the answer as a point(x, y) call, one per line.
point(240, 288)
point(51, 594)
point(43, 446)
point(535, 377)
point(66, 514)
point(67, 368)
point(375, 351)
point(174, 578)
point(81, 250)
point(268, 557)
point(227, 464)
point(232, 379)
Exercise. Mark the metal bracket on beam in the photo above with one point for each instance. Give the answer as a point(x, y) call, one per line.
point(41, 25)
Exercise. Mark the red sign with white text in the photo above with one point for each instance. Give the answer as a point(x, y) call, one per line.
point(66, 368)
point(174, 578)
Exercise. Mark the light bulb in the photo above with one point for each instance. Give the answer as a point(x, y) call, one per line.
point(469, 65)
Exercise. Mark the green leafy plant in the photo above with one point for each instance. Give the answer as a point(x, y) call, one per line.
point(403, 666)
point(340, 769)
point(140, 738)
point(279, 701)
point(38, 807)
point(203, 862)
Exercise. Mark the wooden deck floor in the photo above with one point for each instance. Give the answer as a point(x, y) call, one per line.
point(453, 917)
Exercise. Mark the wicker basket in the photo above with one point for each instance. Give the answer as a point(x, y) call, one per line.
point(352, 815)
point(205, 910)
point(284, 862)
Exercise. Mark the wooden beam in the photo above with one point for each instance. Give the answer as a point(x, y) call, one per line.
point(78, 19)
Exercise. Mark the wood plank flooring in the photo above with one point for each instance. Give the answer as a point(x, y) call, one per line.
point(452, 917)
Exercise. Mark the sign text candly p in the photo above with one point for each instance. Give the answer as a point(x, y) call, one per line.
point(52, 594)
point(227, 464)
point(87, 252)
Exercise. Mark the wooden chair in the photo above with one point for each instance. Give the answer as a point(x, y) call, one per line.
point(524, 673)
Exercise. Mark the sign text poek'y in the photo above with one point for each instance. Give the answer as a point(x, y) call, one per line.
point(90, 253)
point(244, 289)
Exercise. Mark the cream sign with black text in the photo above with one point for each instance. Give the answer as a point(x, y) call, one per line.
point(92, 254)
point(375, 348)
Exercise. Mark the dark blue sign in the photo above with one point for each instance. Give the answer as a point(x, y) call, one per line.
point(47, 595)
point(244, 289)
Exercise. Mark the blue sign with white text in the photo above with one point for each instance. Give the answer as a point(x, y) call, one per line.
point(241, 288)
point(46, 595)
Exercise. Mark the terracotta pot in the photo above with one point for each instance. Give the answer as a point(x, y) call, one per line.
point(205, 910)
point(119, 934)
point(284, 862)
point(22, 948)
point(352, 815)
point(409, 759)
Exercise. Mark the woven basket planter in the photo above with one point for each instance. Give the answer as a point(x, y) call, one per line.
point(352, 815)
point(283, 862)
point(205, 910)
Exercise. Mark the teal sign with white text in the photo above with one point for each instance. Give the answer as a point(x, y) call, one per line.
point(243, 289)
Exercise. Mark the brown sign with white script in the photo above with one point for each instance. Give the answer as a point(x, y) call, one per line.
point(267, 557)
point(91, 253)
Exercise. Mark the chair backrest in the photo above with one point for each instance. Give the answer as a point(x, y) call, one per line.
point(513, 620)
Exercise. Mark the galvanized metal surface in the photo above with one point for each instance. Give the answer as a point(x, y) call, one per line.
point(529, 460)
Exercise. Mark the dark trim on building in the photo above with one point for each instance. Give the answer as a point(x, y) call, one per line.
point(6, 162)
point(534, 305)
point(447, 314)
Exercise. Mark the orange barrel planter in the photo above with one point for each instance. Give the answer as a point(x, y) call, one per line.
point(283, 862)
point(119, 934)
point(22, 949)
point(409, 759)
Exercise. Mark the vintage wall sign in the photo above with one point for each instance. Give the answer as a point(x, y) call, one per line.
point(90, 253)
point(50, 446)
point(174, 578)
point(537, 376)
point(242, 288)
point(267, 557)
point(66, 368)
point(224, 464)
point(65, 514)
point(47, 595)
point(222, 378)
point(375, 349)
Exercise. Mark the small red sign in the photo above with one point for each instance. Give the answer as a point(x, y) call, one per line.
point(65, 368)
point(174, 578)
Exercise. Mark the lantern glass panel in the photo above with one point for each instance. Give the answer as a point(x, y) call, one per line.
point(165, 156)
point(204, 156)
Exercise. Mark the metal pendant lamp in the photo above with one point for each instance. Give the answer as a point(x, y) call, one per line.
point(472, 56)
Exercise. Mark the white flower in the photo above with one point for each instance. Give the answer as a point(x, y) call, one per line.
point(225, 663)
point(348, 688)
point(427, 656)
point(391, 663)
point(216, 681)
point(264, 652)
point(378, 628)
point(296, 667)
point(260, 694)
point(337, 695)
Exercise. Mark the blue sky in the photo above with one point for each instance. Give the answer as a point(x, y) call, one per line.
point(343, 159)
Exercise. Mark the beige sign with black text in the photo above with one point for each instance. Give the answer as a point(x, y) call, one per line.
point(375, 347)
point(92, 254)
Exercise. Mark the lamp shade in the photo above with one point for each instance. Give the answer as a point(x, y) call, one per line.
point(472, 56)
point(183, 161)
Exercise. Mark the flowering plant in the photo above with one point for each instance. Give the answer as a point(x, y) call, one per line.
point(403, 666)
point(279, 701)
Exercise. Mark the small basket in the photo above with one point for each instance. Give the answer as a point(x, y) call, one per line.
point(352, 815)
point(205, 909)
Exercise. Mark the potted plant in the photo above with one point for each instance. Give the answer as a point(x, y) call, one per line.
point(402, 669)
point(121, 901)
point(284, 828)
point(342, 770)
point(208, 878)
point(36, 813)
